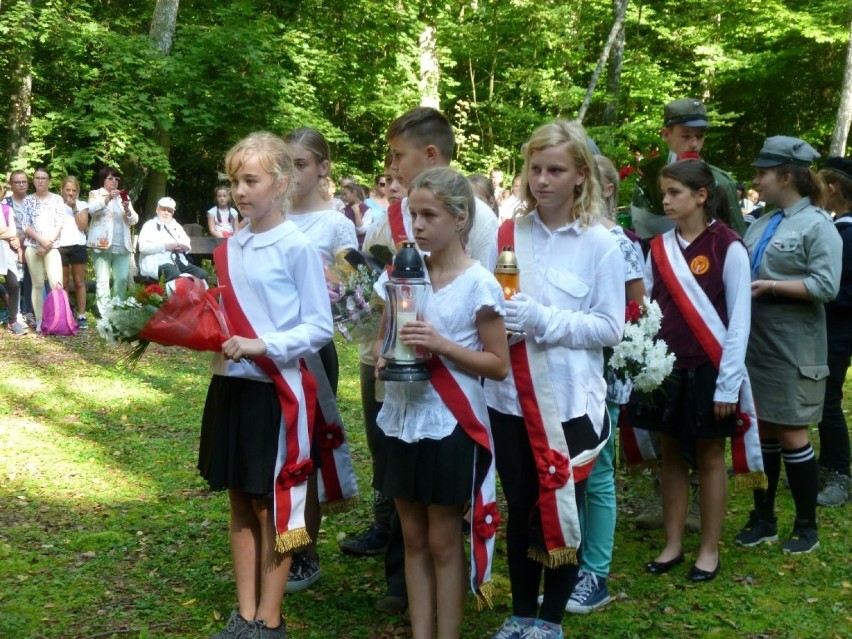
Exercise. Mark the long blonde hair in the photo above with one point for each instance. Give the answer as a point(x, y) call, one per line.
point(588, 206)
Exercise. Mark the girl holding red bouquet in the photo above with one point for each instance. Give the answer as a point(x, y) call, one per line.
point(699, 274)
point(254, 429)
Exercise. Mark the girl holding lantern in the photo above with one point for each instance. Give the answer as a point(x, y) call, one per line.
point(438, 439)
point(549, 416)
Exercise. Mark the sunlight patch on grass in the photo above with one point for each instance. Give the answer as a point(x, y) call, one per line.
point(64, 466)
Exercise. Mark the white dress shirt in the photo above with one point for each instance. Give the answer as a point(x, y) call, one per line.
point(579, 276)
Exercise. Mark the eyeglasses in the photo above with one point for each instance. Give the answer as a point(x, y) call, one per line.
point(20, 183)
point(382, 184)
point(112, 177)
point(41, 177)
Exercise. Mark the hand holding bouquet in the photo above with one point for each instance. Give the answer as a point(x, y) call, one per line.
point(189, 317)
point(355, 307)
point(639, 358)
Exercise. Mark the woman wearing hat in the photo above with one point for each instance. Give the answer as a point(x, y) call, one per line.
point(111, 219)
point(796, 260)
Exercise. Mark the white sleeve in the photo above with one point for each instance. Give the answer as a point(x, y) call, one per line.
point(603, 324)
point(737, 278)
point(315, 328)
point(482, 243)
point(649, 276)
point(344, 235)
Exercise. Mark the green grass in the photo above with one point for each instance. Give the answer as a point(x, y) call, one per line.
point(106, 529)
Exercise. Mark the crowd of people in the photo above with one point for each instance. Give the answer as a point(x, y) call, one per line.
point(757, 312)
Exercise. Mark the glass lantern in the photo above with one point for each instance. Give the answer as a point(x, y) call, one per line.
point(507, 273)
point(406, 290)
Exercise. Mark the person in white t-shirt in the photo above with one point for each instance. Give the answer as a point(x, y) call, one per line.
point(223, 219)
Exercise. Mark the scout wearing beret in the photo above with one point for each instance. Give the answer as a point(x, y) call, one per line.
point(834, 457)
point(795, 254)
point(684, 125)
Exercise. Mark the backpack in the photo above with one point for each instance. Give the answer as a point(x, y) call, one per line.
point(57, 317)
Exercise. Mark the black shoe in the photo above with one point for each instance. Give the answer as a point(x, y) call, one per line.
point(662, 567)
point(367, 542)
point(757, 531)
point(803, 540)
point(697, 575)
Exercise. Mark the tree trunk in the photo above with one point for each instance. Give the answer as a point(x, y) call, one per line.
point(163, 24)
point(21, 93)
point(429, 69)
point(844, 112)
point(617, 26)
point(613, 84)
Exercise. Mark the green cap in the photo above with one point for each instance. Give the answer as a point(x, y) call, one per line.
point(781, 149)
point(687, 112)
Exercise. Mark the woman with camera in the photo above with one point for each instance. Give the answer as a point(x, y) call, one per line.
point(111, 219)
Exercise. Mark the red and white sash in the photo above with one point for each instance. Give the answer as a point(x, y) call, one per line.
point(703, 320)
point(463, 395)
point(338, 489)
point(397, 224)
point(557, 472)
point(293, 463)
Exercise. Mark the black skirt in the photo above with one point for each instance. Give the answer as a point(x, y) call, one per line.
point(430, 471)
point(682, 407)
point(239, 435)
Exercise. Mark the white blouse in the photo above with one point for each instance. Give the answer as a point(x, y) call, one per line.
point(329, 230)
point(413, 410)
point(580, 282)
point(285, 273)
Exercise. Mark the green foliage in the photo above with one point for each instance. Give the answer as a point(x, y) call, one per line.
point(104, 93)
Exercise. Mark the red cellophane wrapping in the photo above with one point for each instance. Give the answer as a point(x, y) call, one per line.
point(190, 317)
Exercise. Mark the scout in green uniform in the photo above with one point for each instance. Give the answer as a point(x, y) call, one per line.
point(796, 256)
point(685, 123)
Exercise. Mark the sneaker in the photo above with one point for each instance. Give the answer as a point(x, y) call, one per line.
point(262, 631)
point(30, 320)
point(82, 322)
point(370, 541)
point(38, 328)
point(757, 531)
point(804, 539)
point(18, 328)
point(543, 630)
point(693, 515)
point(236, 627)
point(589, 594)
point(304, 573)
point(837, 490)
point(513, 628)
point(651, 519)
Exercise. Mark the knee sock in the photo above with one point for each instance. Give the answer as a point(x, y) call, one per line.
point(803, 473)
point(764, 500)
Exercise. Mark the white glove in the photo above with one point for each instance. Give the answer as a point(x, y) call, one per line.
point(523, 313)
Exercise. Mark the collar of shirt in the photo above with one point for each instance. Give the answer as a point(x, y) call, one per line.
point(572, 227)
point(799, 206)
point(266, 238)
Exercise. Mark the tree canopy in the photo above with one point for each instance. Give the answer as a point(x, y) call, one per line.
point(88, 86)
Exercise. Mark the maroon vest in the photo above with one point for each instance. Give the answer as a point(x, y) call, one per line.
point(706, 259)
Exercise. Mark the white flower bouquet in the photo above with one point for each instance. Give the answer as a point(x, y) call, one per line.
point(640, 361)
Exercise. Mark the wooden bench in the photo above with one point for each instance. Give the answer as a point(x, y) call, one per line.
point(202, 247)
